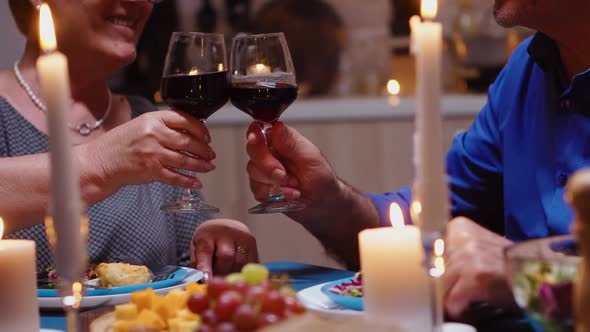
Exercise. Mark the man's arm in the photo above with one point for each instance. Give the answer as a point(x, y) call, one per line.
point(335, 211)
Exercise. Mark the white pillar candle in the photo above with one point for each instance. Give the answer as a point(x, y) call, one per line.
point(395, 283)
point(430, 186)
point(19, 311)
point(52, 68)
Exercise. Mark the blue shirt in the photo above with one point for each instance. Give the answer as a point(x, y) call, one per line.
point(508, 170)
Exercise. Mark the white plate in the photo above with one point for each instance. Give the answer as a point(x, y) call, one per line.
point(93, 301)
point(315, 300)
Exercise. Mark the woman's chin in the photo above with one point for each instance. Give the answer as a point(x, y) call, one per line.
point(124, 57)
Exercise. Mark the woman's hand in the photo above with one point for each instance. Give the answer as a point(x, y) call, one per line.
point(475, 271)
point(146, 149)
point(222, 246)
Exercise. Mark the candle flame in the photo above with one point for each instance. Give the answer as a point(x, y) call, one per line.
point(428, 9)
point(416, 209)
point(439, 247)
point(439, 267)
point(220, 67)
point(260, 68)
point(1, 228)
point(415, 19)
point(393, 87)
point(193, 71)
point(46, 29)
point(396, 217)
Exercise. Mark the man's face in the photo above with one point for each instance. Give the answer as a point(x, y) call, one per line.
point(509, 13)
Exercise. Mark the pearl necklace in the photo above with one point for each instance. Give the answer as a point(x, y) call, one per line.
point(84, 128)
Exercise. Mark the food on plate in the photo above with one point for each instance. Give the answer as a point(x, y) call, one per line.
point(47, 278)
point(122, 274)
point(234, 303)
point(545, 290)
point(352, 288)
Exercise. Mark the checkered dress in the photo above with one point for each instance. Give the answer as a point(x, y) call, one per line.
point(128, 225)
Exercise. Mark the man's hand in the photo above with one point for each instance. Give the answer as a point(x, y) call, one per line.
point(222, 246)
point(475, 269)
point(334, 213)
point(295, 164)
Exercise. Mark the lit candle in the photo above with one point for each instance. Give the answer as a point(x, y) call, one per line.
point(393, 89)
point(395, 283)
point(19, 311)
point(414, 20)
point(430, 186)
point(52, 68)
point(258, 68)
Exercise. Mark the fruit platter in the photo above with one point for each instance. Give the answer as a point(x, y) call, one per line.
point(245, 301)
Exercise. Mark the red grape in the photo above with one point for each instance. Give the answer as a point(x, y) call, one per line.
point(246, 318)
point(216, 286)
point(198, 303)
point(293, 306)
point(209, 317)
point(240, 286)
point(205, 328)
point(227, 304)
point(225, 327)
point(266, 319)
point(255, 294)
point(274, 303)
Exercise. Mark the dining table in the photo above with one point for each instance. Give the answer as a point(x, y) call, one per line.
point(301, 276)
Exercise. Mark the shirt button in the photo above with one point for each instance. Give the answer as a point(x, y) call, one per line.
point(566, 104)
point(562, 179)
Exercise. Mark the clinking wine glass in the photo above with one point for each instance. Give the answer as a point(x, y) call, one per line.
point(195, 81)
point(263, 85)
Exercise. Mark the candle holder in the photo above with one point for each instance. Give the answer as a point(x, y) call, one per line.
point(434, 264)
point(70, 269)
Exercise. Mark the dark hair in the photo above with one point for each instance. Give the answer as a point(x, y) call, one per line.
point(315, 35)
point(24, 16)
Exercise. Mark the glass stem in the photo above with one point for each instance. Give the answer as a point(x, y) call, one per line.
point(191, 194)
point(274, 193)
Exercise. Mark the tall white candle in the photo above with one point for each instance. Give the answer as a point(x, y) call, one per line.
point(52, 68)
point(18, 285)
point(395, 283)
point(430, 186)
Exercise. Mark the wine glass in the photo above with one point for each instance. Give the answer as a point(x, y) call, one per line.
point(263, 85)
point(195, 81)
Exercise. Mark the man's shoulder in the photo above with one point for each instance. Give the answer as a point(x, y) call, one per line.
point(517, 73)
point(520, 57)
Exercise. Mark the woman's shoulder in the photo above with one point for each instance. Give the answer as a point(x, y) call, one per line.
point(6, 83)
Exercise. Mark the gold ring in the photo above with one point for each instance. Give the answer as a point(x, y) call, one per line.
point(242, 250)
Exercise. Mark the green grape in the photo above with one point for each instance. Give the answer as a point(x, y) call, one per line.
point(254, 274)
point(232, 278)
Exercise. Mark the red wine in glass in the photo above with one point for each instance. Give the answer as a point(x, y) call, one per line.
point(198, 95)
point(195, 80)
point(263, 85)
point(263, 101)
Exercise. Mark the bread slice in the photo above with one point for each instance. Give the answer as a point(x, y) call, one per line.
point(122, 274)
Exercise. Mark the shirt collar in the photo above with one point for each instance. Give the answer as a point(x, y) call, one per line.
point(544, 51)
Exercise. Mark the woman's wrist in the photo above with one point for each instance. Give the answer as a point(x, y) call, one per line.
point(93, 178)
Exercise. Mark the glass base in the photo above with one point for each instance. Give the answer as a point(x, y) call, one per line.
point(188, 206)
point(276, 204)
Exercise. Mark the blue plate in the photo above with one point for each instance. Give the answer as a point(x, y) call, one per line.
point(176, 278)
point(350, 302)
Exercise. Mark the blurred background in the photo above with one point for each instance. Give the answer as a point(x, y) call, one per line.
point(345, 53)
